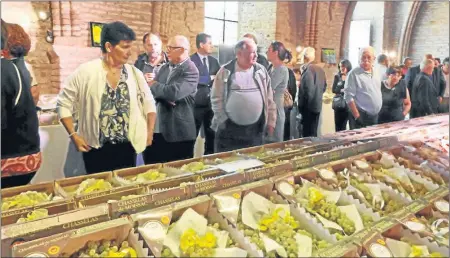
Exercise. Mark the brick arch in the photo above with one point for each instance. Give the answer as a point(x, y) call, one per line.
point(407, 29)
point(346, 27)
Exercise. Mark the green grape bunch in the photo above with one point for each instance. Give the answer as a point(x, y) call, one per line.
point(281, 229)
point(105, 248)
point(25, 199)
point(192, 245)
point(316, 204)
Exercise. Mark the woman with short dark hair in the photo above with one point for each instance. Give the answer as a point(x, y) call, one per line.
point(340, 107)
point(112, 103)
point(19, 44)
point(20, 151)
point(395, 95)
point(277, 54)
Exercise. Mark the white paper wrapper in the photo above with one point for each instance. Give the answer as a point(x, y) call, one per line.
point(305, 245)
point(398, 248)
point(353, 214)
point(254, 206)
point(416, 239)
point(331, 196)
point(271, 245)
point(189, 219)
point(230, 252)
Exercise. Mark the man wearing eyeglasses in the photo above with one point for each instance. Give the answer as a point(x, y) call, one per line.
point(175, 85)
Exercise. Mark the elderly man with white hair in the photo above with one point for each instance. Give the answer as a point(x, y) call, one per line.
point(362, 91)
point(242, 101)
point(425, 97)
point(174, 88)
point(313, 85)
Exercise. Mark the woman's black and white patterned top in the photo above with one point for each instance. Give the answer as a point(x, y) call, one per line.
point(115, 112)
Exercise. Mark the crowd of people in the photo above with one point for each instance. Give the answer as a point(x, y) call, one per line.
point(381, 93)
point(112, 110)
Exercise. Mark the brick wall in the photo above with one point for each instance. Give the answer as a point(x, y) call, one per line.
point(52, 63)
point(258, 18)
point(395, 15)
point(431, 31)
point(317, 24)
point(38, 57)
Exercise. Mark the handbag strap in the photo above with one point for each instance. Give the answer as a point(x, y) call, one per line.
point(20, 86)
point(138, 85)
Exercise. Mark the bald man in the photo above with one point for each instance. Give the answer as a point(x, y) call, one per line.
point(174, 88)
point(242, 101)
point(362, 91)
point(437, 78)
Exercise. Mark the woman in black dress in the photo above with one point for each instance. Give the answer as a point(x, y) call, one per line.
point(339, 105)
point(396, 101)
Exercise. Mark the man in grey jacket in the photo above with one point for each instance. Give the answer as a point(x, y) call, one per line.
point(310, 95)
point(242, 101)
point(174, 88)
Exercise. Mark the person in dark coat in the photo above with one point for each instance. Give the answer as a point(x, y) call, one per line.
point(425, 95)
point(313, 85)
point(341, 114)
point(208, 66)
point(153, 58)
point(262, 60)
point(20, 150)
point(437, 78)
point(396, 101)
point(175, 85)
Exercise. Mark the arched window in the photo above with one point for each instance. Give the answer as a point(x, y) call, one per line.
point(221, 21)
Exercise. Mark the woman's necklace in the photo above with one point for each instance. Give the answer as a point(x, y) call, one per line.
point(108, 68)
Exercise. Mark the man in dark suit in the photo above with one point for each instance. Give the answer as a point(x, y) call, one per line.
point(207, 67)
point(437, 79)
point(425, 95)
point(174, 86)
point(313, 85)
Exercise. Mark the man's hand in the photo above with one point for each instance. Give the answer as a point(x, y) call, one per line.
point(150, 83)
point(80, 143)
point(270, 130)
point(440, 100)
point(149, 138)
point(149, 77)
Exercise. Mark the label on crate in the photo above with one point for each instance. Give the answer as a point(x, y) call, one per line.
point(442, 206)
point(416, 206)
point(232, 180)
point(285, 188)
point(359, 236)
point(400, 214)
point(304, 162)
point(385, 224)
point(379, 250)
point(415, 226)
point(327, 174)
point(205, 187)
point(130, 206)
point(336, 155)
point(341, 250)
point(157, 229)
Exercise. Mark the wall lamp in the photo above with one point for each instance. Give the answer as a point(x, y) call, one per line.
point(43, 15)
point(49, 38)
